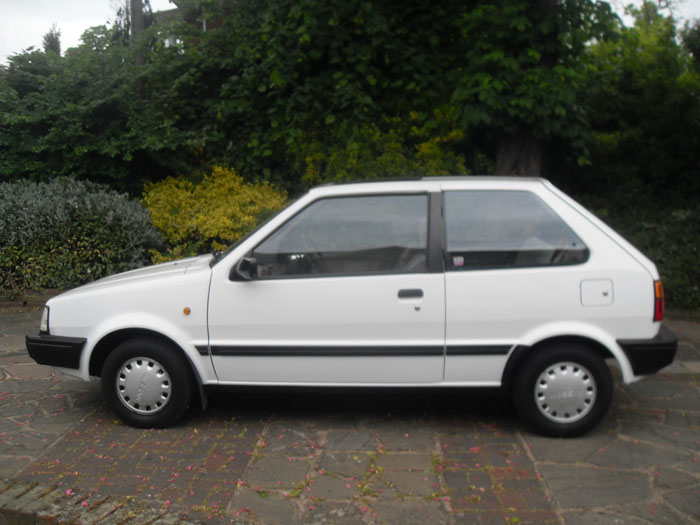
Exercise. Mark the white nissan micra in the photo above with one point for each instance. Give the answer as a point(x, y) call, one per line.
point(440, 282)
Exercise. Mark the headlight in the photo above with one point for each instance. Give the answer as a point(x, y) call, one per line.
point(44, 325)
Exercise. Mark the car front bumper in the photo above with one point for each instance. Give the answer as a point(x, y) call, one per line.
point(63, 352)
point(650, 355)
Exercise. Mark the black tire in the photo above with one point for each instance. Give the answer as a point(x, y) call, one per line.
point(147, 383)
point(565, 400)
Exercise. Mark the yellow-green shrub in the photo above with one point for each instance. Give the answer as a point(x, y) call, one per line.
point(198, 217)
point(394, 147)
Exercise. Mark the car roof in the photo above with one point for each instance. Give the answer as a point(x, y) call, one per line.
point(383, 180)
point(429, 184)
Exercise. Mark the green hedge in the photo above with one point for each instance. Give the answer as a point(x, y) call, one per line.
point(66, 232)
point(669, 236)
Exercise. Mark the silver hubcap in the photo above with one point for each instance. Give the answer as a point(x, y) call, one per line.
point(143, 386)
point(565, 392)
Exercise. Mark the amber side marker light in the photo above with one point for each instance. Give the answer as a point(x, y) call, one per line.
point(658, 301)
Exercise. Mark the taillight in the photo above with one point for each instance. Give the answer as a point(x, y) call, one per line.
point(658, 301)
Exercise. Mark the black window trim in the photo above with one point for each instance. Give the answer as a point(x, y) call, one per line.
point(434, 246)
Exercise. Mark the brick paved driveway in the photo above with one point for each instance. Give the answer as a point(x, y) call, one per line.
point(329, 456)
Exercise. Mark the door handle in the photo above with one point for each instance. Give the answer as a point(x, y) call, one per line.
point(410, 293)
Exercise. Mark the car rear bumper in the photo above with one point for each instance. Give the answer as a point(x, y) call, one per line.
point(54, 350)
point(650, 355)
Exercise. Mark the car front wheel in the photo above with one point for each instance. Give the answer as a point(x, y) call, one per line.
point(147, 383)
point(563, 390)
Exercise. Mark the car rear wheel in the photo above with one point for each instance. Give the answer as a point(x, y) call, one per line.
point(563, 390)
point(147, 383)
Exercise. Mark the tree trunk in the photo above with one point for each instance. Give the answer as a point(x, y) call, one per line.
point(136, 8)
point(519, 154)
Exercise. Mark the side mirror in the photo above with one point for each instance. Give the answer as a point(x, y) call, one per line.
point(245, 270)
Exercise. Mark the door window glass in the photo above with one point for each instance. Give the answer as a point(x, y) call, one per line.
point(350, 236)
point(506, 229)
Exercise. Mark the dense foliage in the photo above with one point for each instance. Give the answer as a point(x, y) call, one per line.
point(296, 92)
point(669, 236)
point(64, 233)
point(643, 103)
point(277, 81)
point(210, 214)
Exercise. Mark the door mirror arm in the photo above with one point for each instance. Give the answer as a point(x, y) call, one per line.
point(245, 270)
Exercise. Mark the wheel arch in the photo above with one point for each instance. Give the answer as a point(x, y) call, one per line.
point(522, 352)
point(110, 341)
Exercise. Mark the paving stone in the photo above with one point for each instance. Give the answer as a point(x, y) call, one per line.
point(456, 480)
point(5, 484)
point(408, 438)
point(597, 518)
point(410, 461)
point(333, 488)
point(458, 442)
point(29, 388)
point(12, 465)
point(330, 512)
point(347, 464)
point(662, 434)
point(291, 440)
point(470, 517)
point(592, 487)
point(13, 492)
point(659, 388)
point(28, 371)
point(568, 450)
point(649, 512)
point(684, 403)
point(412, 483)
point(102, 510)
point(120, 516)
point(683, 419)
point(476, 500)
point(357, 440)
point(276, 472)
point(410, 511)
point(686, 501)
point(67, 509)
point(21, 503)
point(21, 443)
point(272, 508)
point(636, 455)
point(668, 479)
point(171, 518)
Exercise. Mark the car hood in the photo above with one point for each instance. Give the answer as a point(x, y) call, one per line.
point(149, 273)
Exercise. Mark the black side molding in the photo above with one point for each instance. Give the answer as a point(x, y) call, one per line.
point(327, 351)
point(55, 350)
point(648, 356)
point(479, 350)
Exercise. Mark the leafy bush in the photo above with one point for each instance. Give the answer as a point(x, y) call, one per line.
point(198, 217)
point(396, 147)
point(65, 233)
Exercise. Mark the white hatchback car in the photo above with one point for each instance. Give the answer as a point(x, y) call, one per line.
point(440, 282)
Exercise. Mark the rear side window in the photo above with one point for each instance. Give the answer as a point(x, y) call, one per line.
point(356, 235)
point(506, 229)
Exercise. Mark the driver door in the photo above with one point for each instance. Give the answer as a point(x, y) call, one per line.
point(343, 294)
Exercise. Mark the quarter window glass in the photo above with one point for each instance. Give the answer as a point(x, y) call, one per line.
point(350, 236)
point(506, 229)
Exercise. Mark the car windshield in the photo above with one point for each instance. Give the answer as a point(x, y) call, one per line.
point(219, 255)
